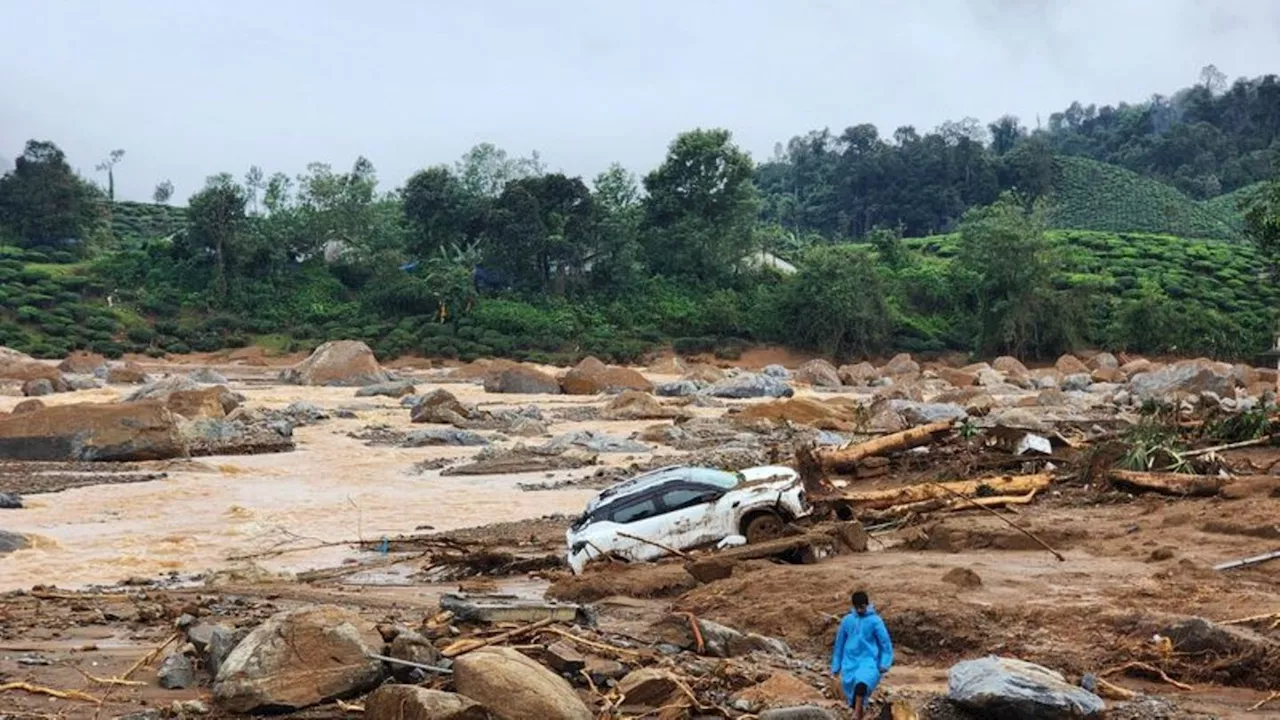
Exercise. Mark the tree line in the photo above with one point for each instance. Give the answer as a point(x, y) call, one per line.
point(495, 255)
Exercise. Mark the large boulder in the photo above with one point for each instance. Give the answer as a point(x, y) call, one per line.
point(82, 363)
point(901, 364)
point(958, 378)
point(206, 402)
point(10, 542)
point(208, 376)
point(818, 373)
point(1070, 365)
point(161, 389)
point(1009, 365)
point(88, 432)
point(38, 387)
point(348, 363)
point(442, 407)
point(391, 389)
point(997, 687)
point(127, 373)
point(591, 377)
point(635, 405)
point(750, 385)
point(1189, 377)
point(24, 370)
point(300, 658)
point(513, 687)
point(212, 436)
point(522, 380)
point(1103, 360)
point(921, 413)
point(857, 375)
point(409, 702)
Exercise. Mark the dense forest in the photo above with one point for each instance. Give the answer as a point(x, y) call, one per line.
point(1150, 226)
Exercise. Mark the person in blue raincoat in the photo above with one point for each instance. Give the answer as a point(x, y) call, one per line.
point(862, 653)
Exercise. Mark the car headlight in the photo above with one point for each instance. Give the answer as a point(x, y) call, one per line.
point(578, 547)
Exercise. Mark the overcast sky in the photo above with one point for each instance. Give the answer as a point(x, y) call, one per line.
point(195, 87)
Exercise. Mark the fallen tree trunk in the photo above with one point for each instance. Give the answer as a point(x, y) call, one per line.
point(953, 503)
point(719, 565)
point(1167, 483)
point(835, 459)
point(883, 499)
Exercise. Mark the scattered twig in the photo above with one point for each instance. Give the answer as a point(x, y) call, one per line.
point(1273, 696)
point(1111, 691)
point(285, 551)
point(1229, 446)
point(697, 632)
point(658, 545)
point(51, 692)
point(408, 663)
point(1251, 618)
point(465, 646)
point(349, 707)
point(1003, 519)
point(146, 659)
point(109, 680)
point(599, 646)
point(1147, 668)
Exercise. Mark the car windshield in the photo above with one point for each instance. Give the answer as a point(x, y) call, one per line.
point(718, 478)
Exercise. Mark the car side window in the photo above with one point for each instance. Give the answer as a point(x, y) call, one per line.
point(685, 497)
point(635, 510)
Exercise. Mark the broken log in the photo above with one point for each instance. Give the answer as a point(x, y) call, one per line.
point(846, 457)
point(953, 503)
point(1246, 562)
point(719, 565)
point(1168, 483)
point(863, 500)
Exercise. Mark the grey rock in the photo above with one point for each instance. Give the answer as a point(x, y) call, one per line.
point(805, 712)
point(826, 437)
point(1187, 377)
point(83, 383)
point(918, 413)
point(882, 381)
point(411, 400)
point(410, 646)
point(1046, 382)
point(305, 413)
point(750, 385)
point(176, 672)
point(679, 388)
point(9, 501)
point(186, 708)
point(206, 437)
point(162, 389)
point(1079, 381)
point(222, 640)
point(444, 436)
point(1005, 687)
point(595, 442)
point(37, 388)
point(208, 376)
point(12, 541)
point(391, 389)
point(777, 371)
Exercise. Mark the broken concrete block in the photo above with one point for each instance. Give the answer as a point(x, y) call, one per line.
point(506, 608)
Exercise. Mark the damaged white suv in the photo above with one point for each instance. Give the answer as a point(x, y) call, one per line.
point(685, 507)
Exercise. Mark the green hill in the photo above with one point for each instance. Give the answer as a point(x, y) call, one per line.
point(1090, 195)
point(1229, 206)
point(145, 220)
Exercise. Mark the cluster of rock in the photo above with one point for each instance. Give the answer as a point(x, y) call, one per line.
point(21, 374)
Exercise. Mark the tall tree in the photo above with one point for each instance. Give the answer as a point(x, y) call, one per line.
point(163, 192)
point(615, 254)
point(701, 207)
point(852, 318)
point(215, 223)
point(43, 202)
point(254, 185)
point(438, 210)
point(108, 166)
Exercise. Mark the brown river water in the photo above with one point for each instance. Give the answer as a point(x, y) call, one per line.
point(207, 514)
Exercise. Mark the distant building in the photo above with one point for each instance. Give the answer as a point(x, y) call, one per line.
point(764, 259)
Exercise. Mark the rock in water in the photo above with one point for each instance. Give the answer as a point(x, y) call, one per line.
point(210, 436)
point(999, 687)
point(592, 377)
point(89, 432)
point(12, 541)
point(776, 371)
point(28, 405)
point(9, 501)
point(38, 387)
point(522, 380)
point(407, 702)
point(207, 402)
point(208, 376)
point(513, 687)
point(678, 388)
point(161, 389)
point(750, 385)
point(341, 362)
point(391, 389)
point(635, 405)
point(441, 407)
point(443, 436)
point(300, 658)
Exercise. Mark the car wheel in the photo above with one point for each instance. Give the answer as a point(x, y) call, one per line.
point(762, 527)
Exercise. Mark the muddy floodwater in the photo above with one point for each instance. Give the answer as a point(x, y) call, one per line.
point(210, 513)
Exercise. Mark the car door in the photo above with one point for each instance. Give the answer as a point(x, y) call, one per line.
point(635, 517)
point(691, 515)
